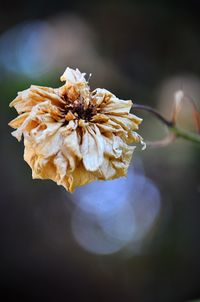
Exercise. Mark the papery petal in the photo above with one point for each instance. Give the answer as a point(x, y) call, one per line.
point(28, 98)
point(92, 148)
point(18, 121)
point(42, 168)
point(80, 177)
point(113, 146)
point(117, 106)
point(71, 143)
point(73, 76)
point(48, 146)
point(123, 164)
point(74, 136)
point(61, 167)
point(101, 96)
point(128, 122)
point(106, 170)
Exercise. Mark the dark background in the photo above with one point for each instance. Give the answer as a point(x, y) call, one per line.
point(144, 50)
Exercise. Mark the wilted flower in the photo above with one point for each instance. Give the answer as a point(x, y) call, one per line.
point(72, 135)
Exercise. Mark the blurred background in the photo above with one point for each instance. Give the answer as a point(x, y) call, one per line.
point(132, 239)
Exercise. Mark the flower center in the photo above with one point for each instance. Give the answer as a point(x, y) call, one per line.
point(79, 110)
point(83, 113)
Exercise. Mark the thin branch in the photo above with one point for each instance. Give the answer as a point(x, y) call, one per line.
point(170, 138)
point(188, 135)
point(172, 127)
point(154, 112)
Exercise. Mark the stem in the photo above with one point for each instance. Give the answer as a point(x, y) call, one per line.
point(190, 136)
point(154, 112)
point(176, 130)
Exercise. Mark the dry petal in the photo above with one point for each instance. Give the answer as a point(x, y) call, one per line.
point(73, 135)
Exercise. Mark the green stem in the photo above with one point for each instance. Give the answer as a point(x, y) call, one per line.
point(178, 131)
point(190, 136)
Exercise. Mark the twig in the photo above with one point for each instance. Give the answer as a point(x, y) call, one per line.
point(154, 112)
point(172, 127)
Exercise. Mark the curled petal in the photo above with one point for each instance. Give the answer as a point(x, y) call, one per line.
point(92, 148)
point(28, 98)
point(48, 146)
point(61, 167)
point(71, 143)
point(73, 76)
point(128, 122)
point(19, 120)
point(117, 106)
point(107, 170)
point(101, 96)
point(80, 177)
point(72, 135)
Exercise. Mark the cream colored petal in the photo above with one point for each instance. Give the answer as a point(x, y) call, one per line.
point(101, 96)
point(18, 121)
point(26, 126)
point(92, 148)
point(39, 134)
point(128, 122)
point(47, 144)
point(21, 96)
point(41, 167)
point(48, 93)
point(44, 169)
point(106, 170)
point(100, 118)
point(29, 153)
point(30, 120)
point(61, 167)
point(71, 142)
point(43, 108)
point(135, 137)
point(109, 103)
point(113, 146)
point(71, 159)
point(122, 165)
point(71, 151)
point(28, 98)
point(24, 101)
point(116, 163)
point(117, 106)
point(110, 128)
point(80, 177)
point(73, 76)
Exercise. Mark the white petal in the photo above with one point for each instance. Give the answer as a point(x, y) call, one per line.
point(113, 146)
point(71, 143)
point(39, 136)
point(61, 166)
point(73, 76)
point(49, 145)
point(99, 95)
point(106, 169)
point(92, 148)
point(117, 106)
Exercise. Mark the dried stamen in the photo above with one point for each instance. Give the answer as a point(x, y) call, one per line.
point(81, 111)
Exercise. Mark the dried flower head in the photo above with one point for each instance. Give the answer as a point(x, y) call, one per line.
point(72, 135)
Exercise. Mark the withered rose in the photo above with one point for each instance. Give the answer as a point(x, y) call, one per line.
point(72, 135)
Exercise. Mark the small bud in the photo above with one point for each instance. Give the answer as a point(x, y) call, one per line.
point(178, 96)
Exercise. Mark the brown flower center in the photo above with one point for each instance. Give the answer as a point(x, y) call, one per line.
point(82, 112)
point(76, 107)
